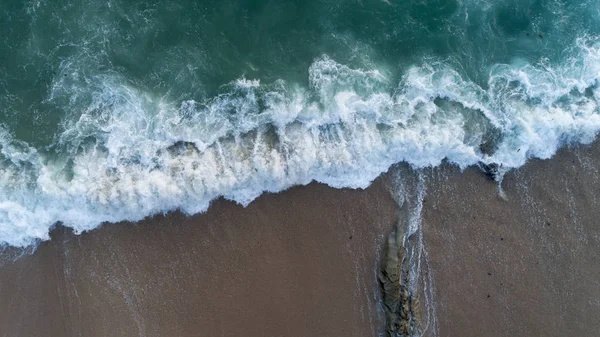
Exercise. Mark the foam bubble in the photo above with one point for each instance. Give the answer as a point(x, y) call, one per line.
point(130, 154)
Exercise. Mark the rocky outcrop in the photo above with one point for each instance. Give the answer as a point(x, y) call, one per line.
point(399, 304)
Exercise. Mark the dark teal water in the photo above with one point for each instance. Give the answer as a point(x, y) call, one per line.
point(188, 50)
point(117, 109)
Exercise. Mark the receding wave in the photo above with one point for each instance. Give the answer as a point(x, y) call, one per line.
point(132, 154)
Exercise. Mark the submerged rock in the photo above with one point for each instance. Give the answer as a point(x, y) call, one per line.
point(182, 147)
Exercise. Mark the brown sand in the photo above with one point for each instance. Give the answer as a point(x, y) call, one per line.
point(303, 263)
point(525, 266)
point(300, 263)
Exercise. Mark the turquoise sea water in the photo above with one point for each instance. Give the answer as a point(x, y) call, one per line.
point(116, 110)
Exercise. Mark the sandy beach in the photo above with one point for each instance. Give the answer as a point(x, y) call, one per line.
point(299, 168)
point(305, 262)
point(300, 263)
point(526, 265)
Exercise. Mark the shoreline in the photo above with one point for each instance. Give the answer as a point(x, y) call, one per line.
point(299, 263)
point(306, 261)
point(523, 265)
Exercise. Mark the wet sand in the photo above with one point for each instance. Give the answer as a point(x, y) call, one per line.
point(304, 263)
point(525, 266)
point(300, 263)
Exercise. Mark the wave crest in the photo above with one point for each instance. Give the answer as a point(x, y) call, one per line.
point(130, 154)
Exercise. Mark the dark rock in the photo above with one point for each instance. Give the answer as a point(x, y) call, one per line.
point(399, 303)
point(492, 170)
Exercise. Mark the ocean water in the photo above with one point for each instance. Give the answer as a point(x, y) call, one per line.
point(116, 110)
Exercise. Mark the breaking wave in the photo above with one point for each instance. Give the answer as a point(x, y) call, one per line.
point(131, 154)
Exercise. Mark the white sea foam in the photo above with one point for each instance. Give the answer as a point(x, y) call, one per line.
point(130, 154)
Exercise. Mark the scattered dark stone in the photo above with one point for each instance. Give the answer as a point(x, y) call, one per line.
point(527, 34)
point(491, 170)
point(519, 150)
point(488, 296)
point(501, 283)
point(547, 223)
point(540, 36)
point(501, 239)
point(489, 274)
point(350, 237)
